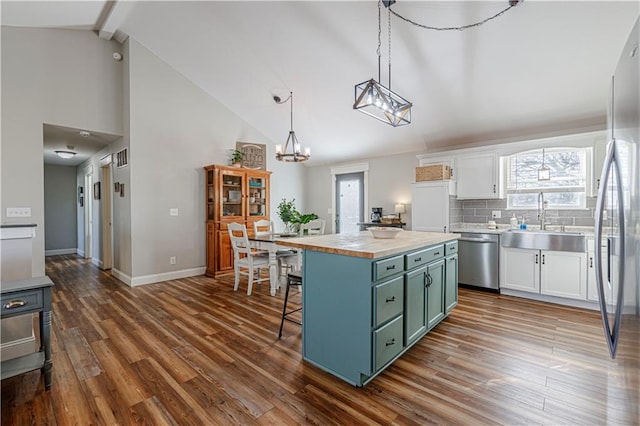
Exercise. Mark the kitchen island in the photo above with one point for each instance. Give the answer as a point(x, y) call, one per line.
point(366, 300)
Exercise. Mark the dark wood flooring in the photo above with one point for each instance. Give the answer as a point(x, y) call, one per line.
point(192, 351)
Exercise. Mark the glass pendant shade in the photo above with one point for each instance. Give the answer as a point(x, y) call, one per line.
point(375, 100)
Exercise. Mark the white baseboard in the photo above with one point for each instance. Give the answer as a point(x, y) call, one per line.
point(80, 253)
point(121, 276)
point(97, 262)
point(60, 251)
point(166, 276)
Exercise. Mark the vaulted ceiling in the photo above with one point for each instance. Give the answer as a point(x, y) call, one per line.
point(542, 68)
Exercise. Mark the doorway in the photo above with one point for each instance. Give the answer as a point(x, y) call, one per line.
point(349, 202)
point(88, 212)
point(105, 207)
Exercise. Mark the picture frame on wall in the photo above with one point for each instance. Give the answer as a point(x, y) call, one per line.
point(80, 194)
point(116, 187)
point(96, 191)
point(81, 200)
point(122, 189)
point(255, 155)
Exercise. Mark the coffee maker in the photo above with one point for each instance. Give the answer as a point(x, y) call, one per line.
point(376, 214)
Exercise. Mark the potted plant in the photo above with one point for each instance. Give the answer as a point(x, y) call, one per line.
point(288, 215)
point(236, 157)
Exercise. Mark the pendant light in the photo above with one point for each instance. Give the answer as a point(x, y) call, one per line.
point(295, 155)
point(378, 101)
point(544, 172)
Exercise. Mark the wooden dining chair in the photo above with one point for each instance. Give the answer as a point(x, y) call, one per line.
point(314, 227)
point(246, 261)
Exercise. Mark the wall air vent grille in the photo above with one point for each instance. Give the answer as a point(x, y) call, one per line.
point(122, 158)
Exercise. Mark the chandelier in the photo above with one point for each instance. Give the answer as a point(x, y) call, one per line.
point(378, 101)
point(295, 155)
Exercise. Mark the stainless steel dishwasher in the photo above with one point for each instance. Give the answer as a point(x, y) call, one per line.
point(478, 257)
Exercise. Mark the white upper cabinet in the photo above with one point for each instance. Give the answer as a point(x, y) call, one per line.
point(430, 206)
point(478, 176)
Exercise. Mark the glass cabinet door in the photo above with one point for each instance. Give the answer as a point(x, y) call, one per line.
point(231, 193)
point(257, 195)
point(211, 190)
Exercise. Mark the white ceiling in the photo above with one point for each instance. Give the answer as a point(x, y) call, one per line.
point(60, 138)
point(540, 69)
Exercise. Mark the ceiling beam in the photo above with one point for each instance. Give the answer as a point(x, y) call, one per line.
point(111, 17)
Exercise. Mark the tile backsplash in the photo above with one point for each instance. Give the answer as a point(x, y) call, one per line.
point(479, 211)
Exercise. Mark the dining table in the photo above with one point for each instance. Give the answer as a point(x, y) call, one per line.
point(268, 243)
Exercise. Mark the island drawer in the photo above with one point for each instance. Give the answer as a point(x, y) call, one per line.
point(387, 267)
point(423, 257)
point(388, 300)
point(450, 248)
point(387, 342)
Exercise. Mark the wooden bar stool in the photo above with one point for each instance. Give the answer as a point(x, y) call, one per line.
point(293, 278)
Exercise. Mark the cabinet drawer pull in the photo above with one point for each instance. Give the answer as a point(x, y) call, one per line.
point(15, 304)
point(391, 342)
point(390, 267)
point(418, 259)
point(391, 299)
point(436, 253)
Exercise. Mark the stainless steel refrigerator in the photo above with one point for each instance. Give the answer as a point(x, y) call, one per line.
point(618, 215)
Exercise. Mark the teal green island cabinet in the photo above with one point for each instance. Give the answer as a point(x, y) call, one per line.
point(366, 301)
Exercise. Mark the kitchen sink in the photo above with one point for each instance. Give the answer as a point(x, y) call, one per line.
point(545, 240)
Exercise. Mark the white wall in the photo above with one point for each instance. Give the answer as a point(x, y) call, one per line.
point(61, 77)
point(175, 130)
point(390, 181)
point(60, 200)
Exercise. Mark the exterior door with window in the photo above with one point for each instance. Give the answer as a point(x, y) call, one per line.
point(349, 202)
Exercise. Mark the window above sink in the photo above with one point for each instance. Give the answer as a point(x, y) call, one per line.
point(566, 188)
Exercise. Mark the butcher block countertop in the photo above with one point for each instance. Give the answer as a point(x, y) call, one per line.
point(362, 244)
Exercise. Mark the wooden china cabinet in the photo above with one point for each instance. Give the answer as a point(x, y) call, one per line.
point(233, 194)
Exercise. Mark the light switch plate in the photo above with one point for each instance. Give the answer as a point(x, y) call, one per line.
point(496, 214)
point(18, 211)
point(173, 212)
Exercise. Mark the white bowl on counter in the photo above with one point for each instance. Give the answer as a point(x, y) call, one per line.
point(384, 231)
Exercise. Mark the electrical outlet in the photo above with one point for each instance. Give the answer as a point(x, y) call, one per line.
point(18, 211)
point(173, 212)
point(172, 260)
point(496, 214)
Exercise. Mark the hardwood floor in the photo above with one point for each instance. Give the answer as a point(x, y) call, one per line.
point(192, 351)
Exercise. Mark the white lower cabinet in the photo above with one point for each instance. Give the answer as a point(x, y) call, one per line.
point(554, 273)
point(520, 269)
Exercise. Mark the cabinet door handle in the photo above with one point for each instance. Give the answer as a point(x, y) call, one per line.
point(591, 262)
point(428, 279)
point(536, 259)
point(445, 229)
point(418, 259)
point(543, 259)
point(391, 267)
point(390, 342)
point(12, 304)
point(494, 188)
point(451, 259)
point(390, 299)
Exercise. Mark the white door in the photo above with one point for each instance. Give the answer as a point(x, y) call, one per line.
point(105, 218)
point(563, 274)
point(520, 269)
point(349, 202)
point(88, 214)
point(430, 206)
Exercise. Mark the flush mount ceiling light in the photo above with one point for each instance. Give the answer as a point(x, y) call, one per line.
point(378, 101)
point(295, 154)
point(65, 154)
point(84, 134)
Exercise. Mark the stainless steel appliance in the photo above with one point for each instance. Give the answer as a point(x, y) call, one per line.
point(478, 258)
point(618, 274)
point(376, 214)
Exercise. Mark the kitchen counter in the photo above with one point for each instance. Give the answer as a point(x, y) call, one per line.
point(362, 244)
point(482, 228)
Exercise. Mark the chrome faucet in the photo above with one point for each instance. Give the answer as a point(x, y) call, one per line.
point(542, 205)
